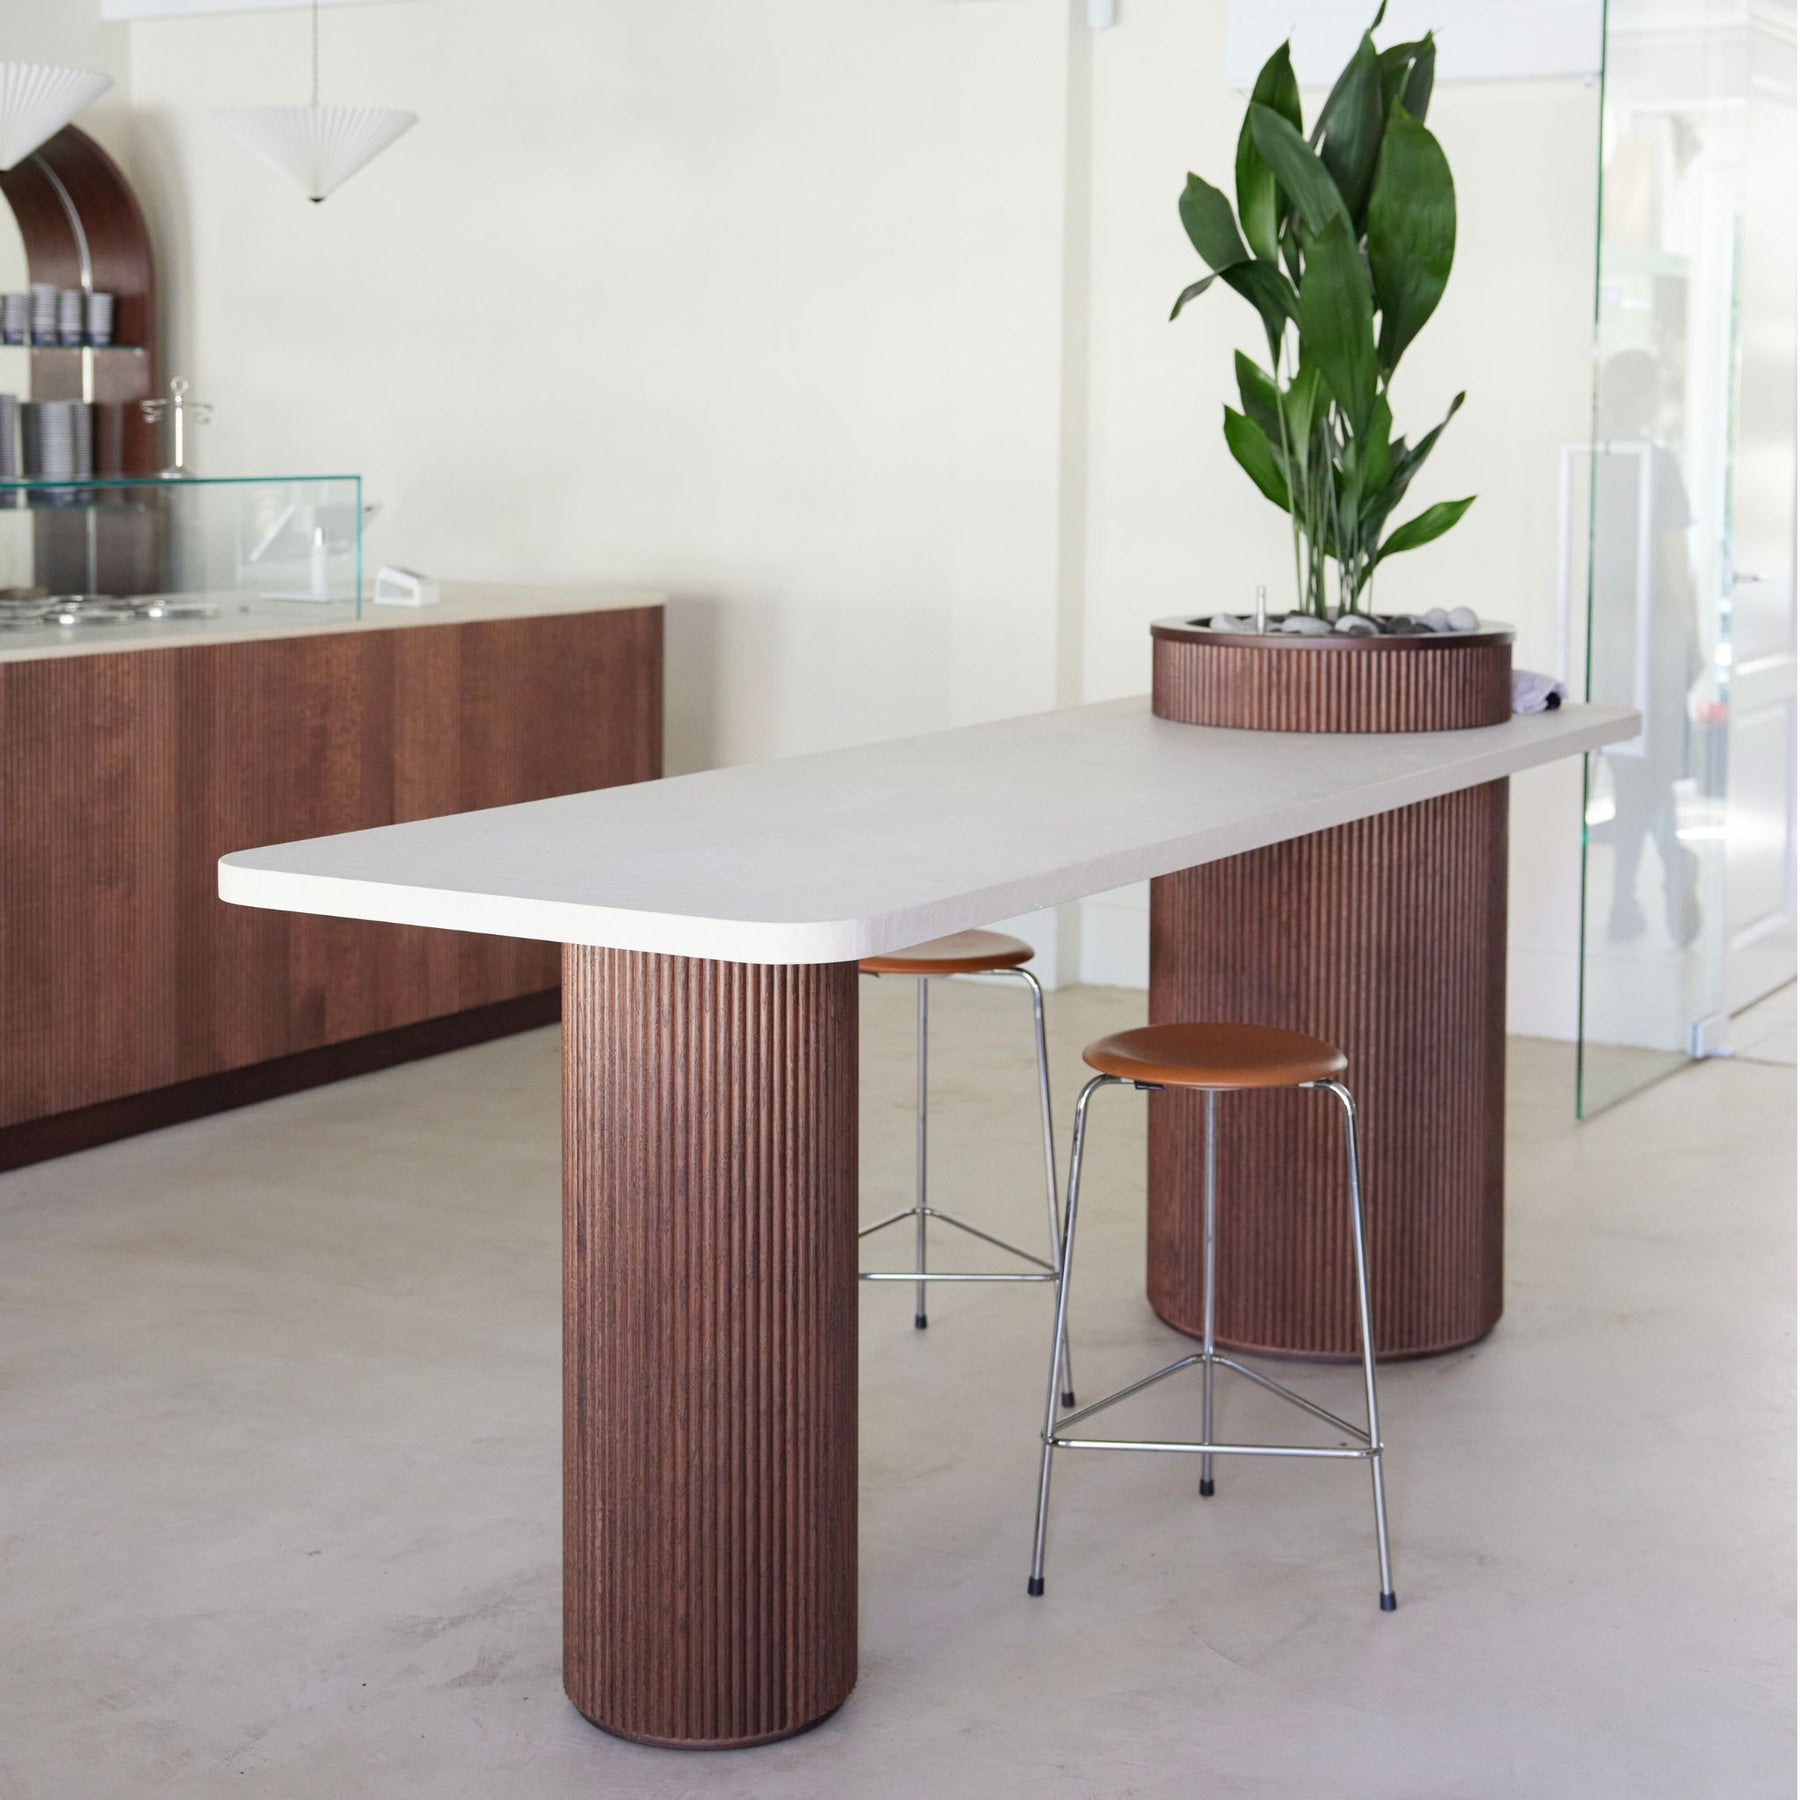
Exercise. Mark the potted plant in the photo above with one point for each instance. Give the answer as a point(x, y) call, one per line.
point(1342, 241)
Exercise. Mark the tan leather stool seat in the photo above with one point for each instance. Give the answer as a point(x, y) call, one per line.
point(1216, 1056)
point(961, 953)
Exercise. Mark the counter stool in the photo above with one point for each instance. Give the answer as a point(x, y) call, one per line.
point(971, 953)
point(1215, 1059)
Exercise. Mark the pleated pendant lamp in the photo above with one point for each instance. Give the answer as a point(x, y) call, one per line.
point(320, 147)
point(37, 100)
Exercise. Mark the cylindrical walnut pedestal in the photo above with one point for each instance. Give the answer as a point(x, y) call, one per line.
point(1387, 937)
point(709, 1347)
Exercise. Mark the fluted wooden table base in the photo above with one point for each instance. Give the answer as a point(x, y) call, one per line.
point(1387, 937)
point(709, 1486)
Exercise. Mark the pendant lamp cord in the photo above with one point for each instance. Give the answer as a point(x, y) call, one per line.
point(315, 48)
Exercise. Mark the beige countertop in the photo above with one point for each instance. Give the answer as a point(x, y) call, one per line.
point(245, 621)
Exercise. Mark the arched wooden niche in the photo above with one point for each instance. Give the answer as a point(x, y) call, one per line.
point(82, 227)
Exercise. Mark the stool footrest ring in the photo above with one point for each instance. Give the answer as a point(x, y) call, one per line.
point(1193, 1360)
point(1357, 1452)
point(944, 1218)
point(934, 1275)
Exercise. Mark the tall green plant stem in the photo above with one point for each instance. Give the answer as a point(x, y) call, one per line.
point(1278, 354)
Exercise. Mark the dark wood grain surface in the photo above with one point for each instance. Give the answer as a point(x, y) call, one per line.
point(710, 1345)
point(1387, 938)
point(126, 776)
point(1331, 684)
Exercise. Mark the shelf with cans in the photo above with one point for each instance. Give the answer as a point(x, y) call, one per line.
point(48, 317)
point(71, 420)
point(78, 372)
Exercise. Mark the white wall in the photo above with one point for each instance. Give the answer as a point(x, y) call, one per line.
point(845, 322)
point(757, 302)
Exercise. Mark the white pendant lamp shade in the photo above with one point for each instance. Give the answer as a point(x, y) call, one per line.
point(37, 100)
point(320, 147)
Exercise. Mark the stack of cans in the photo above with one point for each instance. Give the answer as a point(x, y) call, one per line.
point(43, 313)
point(9, 447)
point(57, 439)
point(50, 315)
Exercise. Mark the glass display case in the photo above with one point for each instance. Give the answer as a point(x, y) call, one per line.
point(253, 550)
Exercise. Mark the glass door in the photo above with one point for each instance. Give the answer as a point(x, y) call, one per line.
point(1658, 475)
point(1759, 832)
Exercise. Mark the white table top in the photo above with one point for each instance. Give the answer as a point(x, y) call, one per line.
point(833, 857)
point(241, 621)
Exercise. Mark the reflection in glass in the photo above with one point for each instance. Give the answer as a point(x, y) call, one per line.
point(1658, 576)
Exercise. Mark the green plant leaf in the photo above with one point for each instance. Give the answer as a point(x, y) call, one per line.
point(1396, 64)
point(1349, 130)
point(1337, 322)
point(1406, 76)
point(1270, 292)
point(1211, 228)
point(1261, 401)
point(1374, 456)
point(1319, 127)
point(1303, 401)
point(1258, 196)
point(1416, 95)
point(1192, 291)
point(1433, 522)
point(1302, 177)
point(1405, 464)
point(1255, 457)
point(1412, 231)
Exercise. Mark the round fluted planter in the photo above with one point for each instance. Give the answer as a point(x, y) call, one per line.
point(1275, 682)
point(1386, 936)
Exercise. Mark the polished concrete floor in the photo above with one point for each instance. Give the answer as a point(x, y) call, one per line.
point(1766, 1032)
point(279, 1473)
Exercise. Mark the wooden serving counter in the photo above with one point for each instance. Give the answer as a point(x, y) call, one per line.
point(131, 997)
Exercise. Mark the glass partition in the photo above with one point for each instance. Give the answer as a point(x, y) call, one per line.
point(1658, 485)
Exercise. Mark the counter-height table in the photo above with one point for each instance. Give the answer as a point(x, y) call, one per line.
point(712, 926)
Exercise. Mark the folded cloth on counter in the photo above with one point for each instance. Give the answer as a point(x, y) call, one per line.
point(1533, 693)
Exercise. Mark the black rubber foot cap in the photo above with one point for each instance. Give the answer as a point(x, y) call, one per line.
point(1206, 1490)
point(918, 1321)
point(1388, 1602)
point(1035, 1587)
point(1069, 1398)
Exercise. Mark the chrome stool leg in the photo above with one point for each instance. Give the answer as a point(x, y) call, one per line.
point(920, 1213)
point(1208, 1349)
point(1360, 1249)
point(1051, 1198)
point(1059, 1332)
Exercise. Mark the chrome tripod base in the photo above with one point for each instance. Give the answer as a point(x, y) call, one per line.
point(1365, 1445)
point(921, 1213)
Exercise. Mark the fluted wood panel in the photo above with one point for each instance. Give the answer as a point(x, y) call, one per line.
point(1387, 937)
point(125, 776)
point(709, 1415)
point(1340, 684)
